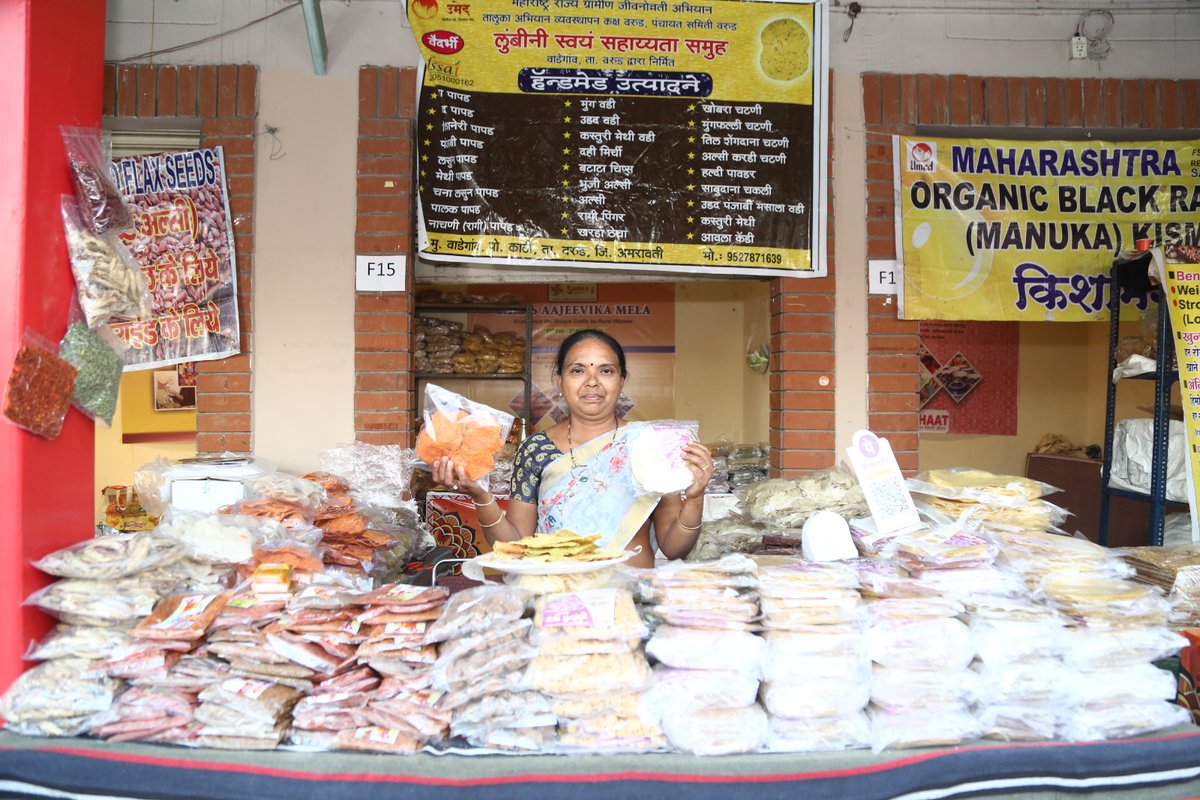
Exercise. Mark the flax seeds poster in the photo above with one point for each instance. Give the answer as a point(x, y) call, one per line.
point(623, 134)
point(967, 373)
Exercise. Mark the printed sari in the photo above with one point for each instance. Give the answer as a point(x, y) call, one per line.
point(595, 493)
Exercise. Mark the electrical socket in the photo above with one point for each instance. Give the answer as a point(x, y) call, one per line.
point(1079, 47)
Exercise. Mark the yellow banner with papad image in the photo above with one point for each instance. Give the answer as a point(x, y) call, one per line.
point(662, 135)
point(992, 229)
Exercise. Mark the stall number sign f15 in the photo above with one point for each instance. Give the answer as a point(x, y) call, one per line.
point(379, 273)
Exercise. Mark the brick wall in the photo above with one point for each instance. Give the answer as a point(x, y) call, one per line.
point(225, 100)
point(896, 104)
point(382, 378)
point(802, 362)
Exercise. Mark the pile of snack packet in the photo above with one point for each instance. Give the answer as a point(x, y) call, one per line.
point(262, 631)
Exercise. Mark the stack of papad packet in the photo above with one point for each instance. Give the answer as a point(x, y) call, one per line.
point(710, 661)
point(816, 671)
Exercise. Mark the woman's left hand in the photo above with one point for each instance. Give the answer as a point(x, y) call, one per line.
point(700, 462)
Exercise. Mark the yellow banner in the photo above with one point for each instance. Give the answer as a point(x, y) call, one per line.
point(1027, 230)
point(637, 134)
point(1182, 285)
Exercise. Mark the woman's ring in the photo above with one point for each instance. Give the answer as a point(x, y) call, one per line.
point(454, 487)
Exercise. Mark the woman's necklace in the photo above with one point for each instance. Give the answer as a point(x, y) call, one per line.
point(571, 445)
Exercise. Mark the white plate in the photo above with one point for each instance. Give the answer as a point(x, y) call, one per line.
point(518, 566)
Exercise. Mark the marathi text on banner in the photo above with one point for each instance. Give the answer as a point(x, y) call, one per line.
point(1027, 230)
point(1181, 283)
point(651, 136)
point(183, 240)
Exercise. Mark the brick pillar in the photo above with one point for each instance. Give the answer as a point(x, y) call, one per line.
point(225, 99)
point(383, 400)
point(802, 389)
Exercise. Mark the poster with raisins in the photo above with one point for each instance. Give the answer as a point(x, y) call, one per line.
point(183, 240)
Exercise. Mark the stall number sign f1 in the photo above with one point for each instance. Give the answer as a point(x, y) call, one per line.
point(379, 273)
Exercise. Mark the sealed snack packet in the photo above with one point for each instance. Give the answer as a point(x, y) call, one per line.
point(108, 280)
point(100, 358)
point(100, 203)
point(468, 433)
point(656, 455)
point(39, 389)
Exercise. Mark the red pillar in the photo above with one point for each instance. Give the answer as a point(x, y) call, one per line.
point(51, 74)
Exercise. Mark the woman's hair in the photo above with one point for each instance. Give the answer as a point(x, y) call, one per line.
point(560, 360)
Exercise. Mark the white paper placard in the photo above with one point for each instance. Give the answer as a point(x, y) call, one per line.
point(883, 276)
point(883, 484)
point(380, 273)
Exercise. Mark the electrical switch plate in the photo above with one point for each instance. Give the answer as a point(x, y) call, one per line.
point(1079, 47)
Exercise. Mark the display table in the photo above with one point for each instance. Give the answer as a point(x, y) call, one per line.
point(1166, 765)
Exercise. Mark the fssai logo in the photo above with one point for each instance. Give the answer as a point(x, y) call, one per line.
point(922, 156)
point(443, 42)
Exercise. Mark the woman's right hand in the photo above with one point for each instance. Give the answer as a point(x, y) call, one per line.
point(454, 477)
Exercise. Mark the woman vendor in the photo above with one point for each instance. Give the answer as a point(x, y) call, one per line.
point(576, 475)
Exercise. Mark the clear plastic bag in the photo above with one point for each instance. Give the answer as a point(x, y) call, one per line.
point(77, 641)
point(99, 356)
point(595, 615)
point(796, 658)
point(101, 205)
point(673, 689)
point(894, 689)
point(286, 488)
point(942, 548)
point(921, 727)
point(288, 514)
point(96, 602)
point(656, 455)
point(1136, 683)
point(299, 548)
point(468, 433)
point(590, 673)
point(967, 483)
point(40, 387)
point(717, 731)
point(1117, 721)
point(693, 648)
point(1019, 723)
point(61, 690)
point(849, 732)
point(920, 644)
point(476, 610)
point(377, 474)
point(108, 557)
point(149, 481)
point(1096, 649)
point(911, 608)
point(821, 697)
point(108, 281)
point(1002, 641)
point(217, 538)
point(1034, 681)
point(789, 502)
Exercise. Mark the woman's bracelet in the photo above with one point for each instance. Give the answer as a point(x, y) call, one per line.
point(680, 523)
point(486, 525)
point(483, 505)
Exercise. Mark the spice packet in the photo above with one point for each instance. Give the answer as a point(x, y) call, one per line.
point(108, 280)
point(40, 388)
point(101, 205)
point(99, 356)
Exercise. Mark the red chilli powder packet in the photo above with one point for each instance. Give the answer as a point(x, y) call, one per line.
point(39, 389)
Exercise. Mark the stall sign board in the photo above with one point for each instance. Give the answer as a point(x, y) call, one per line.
point(629, 136)
point(1026, 230)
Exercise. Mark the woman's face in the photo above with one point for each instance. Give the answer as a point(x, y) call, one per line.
point(591, 380)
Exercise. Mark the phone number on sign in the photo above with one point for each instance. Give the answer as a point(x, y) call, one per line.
point(753, 258)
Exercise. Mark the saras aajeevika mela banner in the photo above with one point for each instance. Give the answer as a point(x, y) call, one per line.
point(991, 229)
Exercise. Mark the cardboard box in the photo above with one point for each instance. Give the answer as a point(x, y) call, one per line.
point(205, 494)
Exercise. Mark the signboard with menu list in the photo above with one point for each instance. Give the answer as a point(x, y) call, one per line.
point(661, 136)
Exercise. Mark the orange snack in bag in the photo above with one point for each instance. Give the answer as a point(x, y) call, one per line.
point(465, 439)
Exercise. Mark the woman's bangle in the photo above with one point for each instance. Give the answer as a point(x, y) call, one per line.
point(483, 505)
point(679, 522)
point(486, 525)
